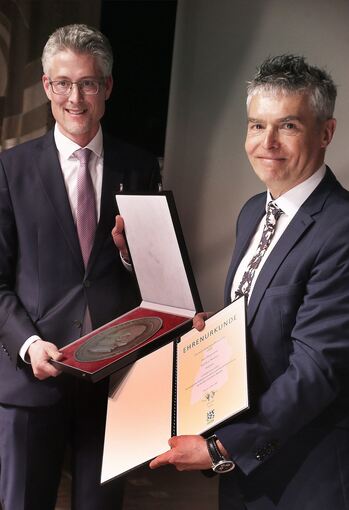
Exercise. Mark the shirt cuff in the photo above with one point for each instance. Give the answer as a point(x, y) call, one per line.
point(24, 349)
point(126, 264)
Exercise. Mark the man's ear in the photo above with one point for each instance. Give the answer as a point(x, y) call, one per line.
point(328, 132)
point(46, 85)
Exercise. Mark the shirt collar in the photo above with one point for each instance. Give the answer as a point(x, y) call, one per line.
point(66, 147)
point(292, 200)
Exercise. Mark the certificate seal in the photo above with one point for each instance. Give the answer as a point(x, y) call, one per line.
point(118, 339)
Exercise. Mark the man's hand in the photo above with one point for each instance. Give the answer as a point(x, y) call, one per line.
point(40, 353)
point(187, 453)
point(119, 238)
point(199, 320)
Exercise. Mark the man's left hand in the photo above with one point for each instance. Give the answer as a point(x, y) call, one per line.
point(187, 453)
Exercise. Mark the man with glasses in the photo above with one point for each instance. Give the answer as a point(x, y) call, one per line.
point(61, 276)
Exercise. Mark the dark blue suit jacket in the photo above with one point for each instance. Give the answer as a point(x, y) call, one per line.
point(44, 287)
point(291, 448)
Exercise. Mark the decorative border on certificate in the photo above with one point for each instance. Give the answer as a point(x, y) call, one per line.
point(212, 371)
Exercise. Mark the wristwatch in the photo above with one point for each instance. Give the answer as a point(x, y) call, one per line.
point(219, 463)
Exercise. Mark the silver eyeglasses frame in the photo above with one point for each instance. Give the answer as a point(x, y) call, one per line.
point(80, 85)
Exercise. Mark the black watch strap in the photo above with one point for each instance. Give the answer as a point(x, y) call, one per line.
point(219, 463)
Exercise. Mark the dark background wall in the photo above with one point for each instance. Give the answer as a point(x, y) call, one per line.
point(141, 33)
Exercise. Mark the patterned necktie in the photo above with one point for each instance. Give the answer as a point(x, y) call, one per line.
point(272, 216)
point(86, 215)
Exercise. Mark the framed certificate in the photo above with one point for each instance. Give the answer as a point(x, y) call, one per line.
point(167, 286)
point(190, 386)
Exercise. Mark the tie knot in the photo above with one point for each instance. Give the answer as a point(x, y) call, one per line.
point(273, 210)
point(83, 155)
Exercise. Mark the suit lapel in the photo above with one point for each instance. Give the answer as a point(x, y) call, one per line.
point(302, 221)
point(294, 231)
point(112, 178)
point(54, 187)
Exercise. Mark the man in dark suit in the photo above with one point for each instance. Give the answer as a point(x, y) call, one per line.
point(291, 259)
point(54, 286)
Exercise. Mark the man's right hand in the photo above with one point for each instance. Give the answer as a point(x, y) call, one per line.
point(40, 354)
point(199, 320)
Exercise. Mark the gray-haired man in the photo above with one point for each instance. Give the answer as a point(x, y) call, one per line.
point(290, 450)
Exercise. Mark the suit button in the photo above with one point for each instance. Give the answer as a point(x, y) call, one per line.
point(5, 350)
point(77, 323)
point(87, 284)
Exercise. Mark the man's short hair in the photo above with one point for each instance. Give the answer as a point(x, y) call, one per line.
point(80, 39)
point(291, 74)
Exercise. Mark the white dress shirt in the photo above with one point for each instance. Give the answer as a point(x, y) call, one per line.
point(290, 202)
point(70, 166)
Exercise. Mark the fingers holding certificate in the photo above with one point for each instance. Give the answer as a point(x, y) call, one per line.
point(187, 453)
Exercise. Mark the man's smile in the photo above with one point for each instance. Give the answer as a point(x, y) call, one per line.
point(76, 112)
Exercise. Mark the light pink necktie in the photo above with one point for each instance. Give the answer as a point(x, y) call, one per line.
point(86, 214)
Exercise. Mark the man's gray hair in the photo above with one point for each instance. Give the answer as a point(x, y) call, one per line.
point(80, 39)
point(291, 74)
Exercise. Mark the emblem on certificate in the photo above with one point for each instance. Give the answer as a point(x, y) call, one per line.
point(118, 339)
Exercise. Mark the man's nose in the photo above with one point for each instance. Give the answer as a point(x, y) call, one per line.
point(271, 139)
point(75, 93)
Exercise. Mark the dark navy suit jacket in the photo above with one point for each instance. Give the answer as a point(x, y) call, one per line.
point(44, 287)
point(292, 447)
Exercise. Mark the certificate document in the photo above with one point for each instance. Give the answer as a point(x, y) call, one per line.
point(189, 386)
point(212, 371)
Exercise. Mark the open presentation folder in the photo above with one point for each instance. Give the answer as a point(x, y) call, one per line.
point(189, 386)
point(170, 298)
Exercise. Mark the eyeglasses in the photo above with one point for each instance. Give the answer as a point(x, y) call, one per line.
point(87, 87)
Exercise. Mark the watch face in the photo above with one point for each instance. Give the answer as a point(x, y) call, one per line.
point(223, 466)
